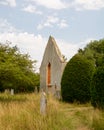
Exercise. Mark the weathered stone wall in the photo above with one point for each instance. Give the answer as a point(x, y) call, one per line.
point(53, 56)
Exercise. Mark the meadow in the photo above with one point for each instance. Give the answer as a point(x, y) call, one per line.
point(22, 112)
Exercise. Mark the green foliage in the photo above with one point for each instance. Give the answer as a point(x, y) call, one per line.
point(17, 71)
point(97, 89)
point(94, 52)
point(75, 84)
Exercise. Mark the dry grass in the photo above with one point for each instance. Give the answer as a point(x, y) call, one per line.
point(22, 112)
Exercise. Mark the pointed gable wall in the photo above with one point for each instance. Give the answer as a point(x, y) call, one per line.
point(52, 56)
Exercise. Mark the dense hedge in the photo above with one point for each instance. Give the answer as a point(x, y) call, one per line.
point(76, 79)
point(97, 90)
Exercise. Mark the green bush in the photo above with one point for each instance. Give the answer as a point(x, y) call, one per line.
point(76, 79)
point(97, 89)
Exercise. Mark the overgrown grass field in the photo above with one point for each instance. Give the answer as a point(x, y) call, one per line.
point(22, 112)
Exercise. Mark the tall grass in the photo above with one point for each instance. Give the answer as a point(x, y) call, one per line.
point(98, 120)
point(22, 112)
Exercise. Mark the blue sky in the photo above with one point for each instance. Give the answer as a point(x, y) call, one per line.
point(29, 23)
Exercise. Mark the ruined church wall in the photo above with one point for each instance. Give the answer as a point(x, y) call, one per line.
point(56, 70)
point(43, 77)
point(51, 56)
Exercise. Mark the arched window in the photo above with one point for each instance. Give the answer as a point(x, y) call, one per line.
point(49, 75)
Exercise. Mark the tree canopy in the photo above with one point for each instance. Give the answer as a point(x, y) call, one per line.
point(17, 70)
point(94, 51)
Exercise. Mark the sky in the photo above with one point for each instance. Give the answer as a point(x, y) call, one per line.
point(29, 23)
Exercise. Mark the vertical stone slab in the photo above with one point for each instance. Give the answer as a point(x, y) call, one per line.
point(12, 91)
point(43, 103)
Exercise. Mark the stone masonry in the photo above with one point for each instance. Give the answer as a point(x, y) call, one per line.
point(51, 68)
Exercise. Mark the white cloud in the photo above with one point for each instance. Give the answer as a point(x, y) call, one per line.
point(67, 49)
point(52, 21)
point(52, 4)
point(88, 4)
point(11, 3)
point(5, 26)
point(40, 26)
point(31, 9)
point(49, 22)
point(63, 23)
point(77, 4)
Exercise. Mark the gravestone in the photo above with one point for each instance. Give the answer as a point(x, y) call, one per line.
point(36, 89)
point(7, 91)
point(43, 103)
point(12, 91)
point(57, 93)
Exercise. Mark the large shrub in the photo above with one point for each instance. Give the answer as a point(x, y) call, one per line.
point(76, 79)
point(97, 89)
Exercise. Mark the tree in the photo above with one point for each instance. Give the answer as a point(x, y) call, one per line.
point(16, 70)
point(97, 88)
point(94, 52)
point(75, 84)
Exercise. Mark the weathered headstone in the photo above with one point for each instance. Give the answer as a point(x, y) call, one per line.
point(36, 90)
point(58, 95)
point(7, 91)
point(57, 92)
point(12, 91)
point(43, 103)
